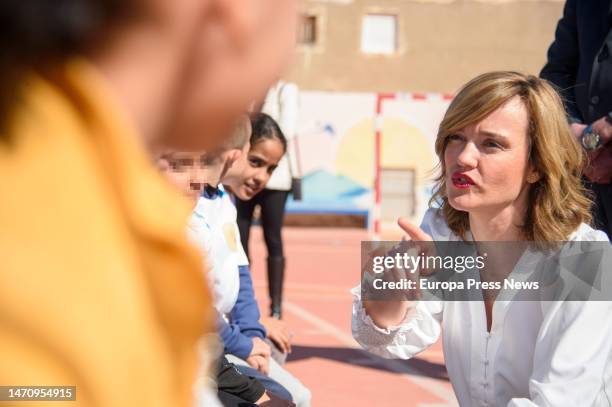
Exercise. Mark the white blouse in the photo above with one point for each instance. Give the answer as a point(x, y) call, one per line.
point(552, 353)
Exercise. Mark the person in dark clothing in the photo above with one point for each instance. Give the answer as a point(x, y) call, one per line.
point(236, 389)
point(281, 109)
point(272, 204)
point(271, 385)
point(580, 65)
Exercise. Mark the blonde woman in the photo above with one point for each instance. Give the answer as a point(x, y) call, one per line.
point(510, 171)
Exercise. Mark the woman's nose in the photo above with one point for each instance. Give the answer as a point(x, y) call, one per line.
point(468, 155)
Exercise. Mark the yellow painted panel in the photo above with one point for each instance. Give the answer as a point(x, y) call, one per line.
point(403, 146)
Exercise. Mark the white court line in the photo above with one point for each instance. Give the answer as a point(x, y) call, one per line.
point(413, 375)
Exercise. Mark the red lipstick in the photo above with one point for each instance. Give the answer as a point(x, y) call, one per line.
point(462, 180)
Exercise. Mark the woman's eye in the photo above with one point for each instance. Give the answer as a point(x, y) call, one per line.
point(255, 162)
point(454, 137)
point(491, 144)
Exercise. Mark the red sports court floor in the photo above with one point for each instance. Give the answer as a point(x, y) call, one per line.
point(322, 266)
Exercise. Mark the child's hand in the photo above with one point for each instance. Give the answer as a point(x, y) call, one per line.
point(264, 397)
point(260, 356)
point(272, 400)
point(260, 348)
point(260, 363)
point(279, 333)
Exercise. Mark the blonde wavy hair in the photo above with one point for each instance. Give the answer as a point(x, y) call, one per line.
point(557, 203)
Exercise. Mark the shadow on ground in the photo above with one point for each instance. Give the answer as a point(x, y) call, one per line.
point(359, 357)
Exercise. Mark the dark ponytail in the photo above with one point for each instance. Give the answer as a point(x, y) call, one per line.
point(35, 34)
point(266, 128)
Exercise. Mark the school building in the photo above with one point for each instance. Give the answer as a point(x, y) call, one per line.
point(407, 58)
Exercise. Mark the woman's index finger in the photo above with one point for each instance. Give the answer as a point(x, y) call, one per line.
point(413, 231)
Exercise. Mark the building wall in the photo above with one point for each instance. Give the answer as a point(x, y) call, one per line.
point(335, 138)
point(441, 44)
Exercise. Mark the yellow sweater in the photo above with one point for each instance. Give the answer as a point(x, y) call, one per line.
point(99, 287)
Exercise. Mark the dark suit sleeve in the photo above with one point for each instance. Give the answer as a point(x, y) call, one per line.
point(563, 59)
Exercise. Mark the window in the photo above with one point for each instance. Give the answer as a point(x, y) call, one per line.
point(379, 34)
point(307, 30)
point(398, 195)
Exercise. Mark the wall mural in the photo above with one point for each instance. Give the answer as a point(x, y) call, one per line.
point(335, 138)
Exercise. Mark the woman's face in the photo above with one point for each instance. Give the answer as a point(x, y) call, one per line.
point(487, 163)
point(263, 158)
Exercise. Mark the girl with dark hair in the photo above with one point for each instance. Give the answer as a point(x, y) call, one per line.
point(268, 144)
point(272, 204)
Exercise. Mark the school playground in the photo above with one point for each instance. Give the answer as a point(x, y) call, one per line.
point(322, 266)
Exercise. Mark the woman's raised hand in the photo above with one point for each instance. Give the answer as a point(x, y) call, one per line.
point(414, 232)
point(390, 312)
point(423, 243)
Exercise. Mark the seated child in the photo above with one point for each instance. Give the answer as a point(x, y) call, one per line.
point(214, 221)
point(187, 171)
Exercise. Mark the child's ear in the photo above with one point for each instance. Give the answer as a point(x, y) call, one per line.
point(234, 155)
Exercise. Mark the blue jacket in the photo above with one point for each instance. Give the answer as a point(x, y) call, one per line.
point(244, 319)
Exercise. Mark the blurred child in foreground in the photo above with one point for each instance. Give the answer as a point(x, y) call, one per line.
point(98, 290)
